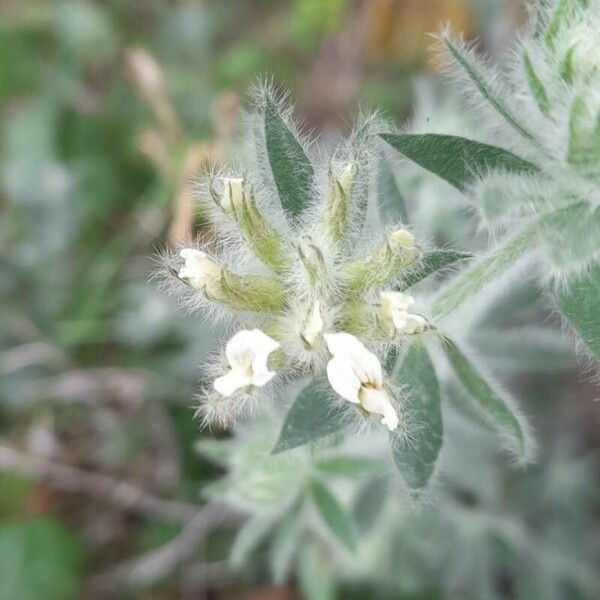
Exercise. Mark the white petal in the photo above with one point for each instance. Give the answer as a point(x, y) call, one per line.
point(232, 381)
point(396, 301)
point(343, 379)
point(349, 349)
point(233, 193)
point(197, 267)
point(314, 324)
point(378, 402)
point(413, 324)
point(246, 345)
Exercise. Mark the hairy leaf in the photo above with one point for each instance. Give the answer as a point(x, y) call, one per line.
point(487, 92)
point(284, 543)
point(347, 466)
point(579, 302)
point(492, 403)
point(248, 539)
point(333, 514)
point(457, 160)
point(481, 272)
point(291, 168)
point(311, 416)
point(538, 90)
point(417, 443)
point(430, 263)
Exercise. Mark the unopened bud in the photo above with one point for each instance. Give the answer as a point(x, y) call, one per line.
point(338, 203)
point(314, 263)
point(313, 325)
point(383, 265)
point(243, 292)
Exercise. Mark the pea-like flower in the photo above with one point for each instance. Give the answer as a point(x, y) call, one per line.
point(248, 354)
point(395, 308)
point(356, 375)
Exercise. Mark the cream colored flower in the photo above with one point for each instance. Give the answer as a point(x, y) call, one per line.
point(355, 374)
point(313, 326)
point(198, 268)
point(395, 309)
point(248, 353)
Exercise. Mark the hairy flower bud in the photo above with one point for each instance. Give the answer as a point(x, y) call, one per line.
point(259, 234)
point(243, 292)
point(382, 265)
point(313, 262)
point(338, 203)
point(313, 325)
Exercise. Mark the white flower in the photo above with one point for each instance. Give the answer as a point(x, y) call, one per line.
point(198, 267)
point(233, 194)
point(356, 375)
point(247, 353)
point(395, 307)
point(313, 326)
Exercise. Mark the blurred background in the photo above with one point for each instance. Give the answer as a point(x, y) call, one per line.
point(109, 109)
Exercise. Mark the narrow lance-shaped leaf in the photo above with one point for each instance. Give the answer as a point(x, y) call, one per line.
point(333, 514)
point(284, 543)
point(538, 90)
point(248, 539)
point(389, 199)
point(488, 93)
point(291, 168)
point(481, 272)
point(311, 416)
point(348, 466)
point(430, 263)
point(457, 160)
point(493, 404)
point(315, 574)
point(417, 444)
point(579, 302)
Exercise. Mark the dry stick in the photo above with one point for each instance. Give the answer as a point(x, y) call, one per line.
point(122, 494)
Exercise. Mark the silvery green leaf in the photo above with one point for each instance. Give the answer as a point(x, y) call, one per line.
point(493, 403)
point(311, 417)
point(248, 539)
point(284, 543)
point(457, 160)
point(579, 301)
point(369, 502)
point(430, 263)
point(333, 514)
point(389, 198)
point(291, 168)
point(347, 466)
point(416, 444)
point(315, 574)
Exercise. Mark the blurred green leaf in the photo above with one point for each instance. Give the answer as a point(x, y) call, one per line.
point(431, 263)
point(369, 501)
point(457, 160)
point(39, 559)
point(493, 404)
point(311, 416)
point(347, 466)
point(254, 531)
point(284, 543)
point(579, 302)
point(417, 442)
point(291, 168)
point(334, 515)
point(315, 574)
point(389, 198)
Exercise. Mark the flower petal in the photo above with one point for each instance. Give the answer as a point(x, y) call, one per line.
point(349, 349)
point(229, 383)
point(250, 349)
point(343, 379)
point(378, 402)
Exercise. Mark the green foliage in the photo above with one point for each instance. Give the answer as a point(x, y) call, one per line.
point(535, 84)
point(579, 302)
point(291, 168)
point(347, 466)
point(39, 559)
point(248, 538)
point(494, 408)
point(315, 574)
point(333, 514)
point(431, 263)
point(310, 417)
point(390, 201)
point(457, 160)
point(417, 445)
point(284, 543)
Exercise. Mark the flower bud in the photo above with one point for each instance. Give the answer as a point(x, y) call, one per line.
point(313, 325)
point(382, 265)
point(259, 234)
point(394, 316)
point(338, 203)
point(314, 264)
point(243, 292)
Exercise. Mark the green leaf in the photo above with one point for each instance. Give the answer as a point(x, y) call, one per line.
point(253, 532)
point(389, 199)
point(39, 559)
point(217, 451)
point(481, 272)
point(311, 416)
point(315, 574)
point(492, 403)
point(416, 445)
point(285, 543)
point(579, 301)
point(430, 263)
point(333, 514)
point(292, 170)
point(536, 86)
point(457, 160)
point(369, 502)
point(347, 466)
point(486, 89)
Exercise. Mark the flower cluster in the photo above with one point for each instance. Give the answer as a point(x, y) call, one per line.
point(310, 295)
